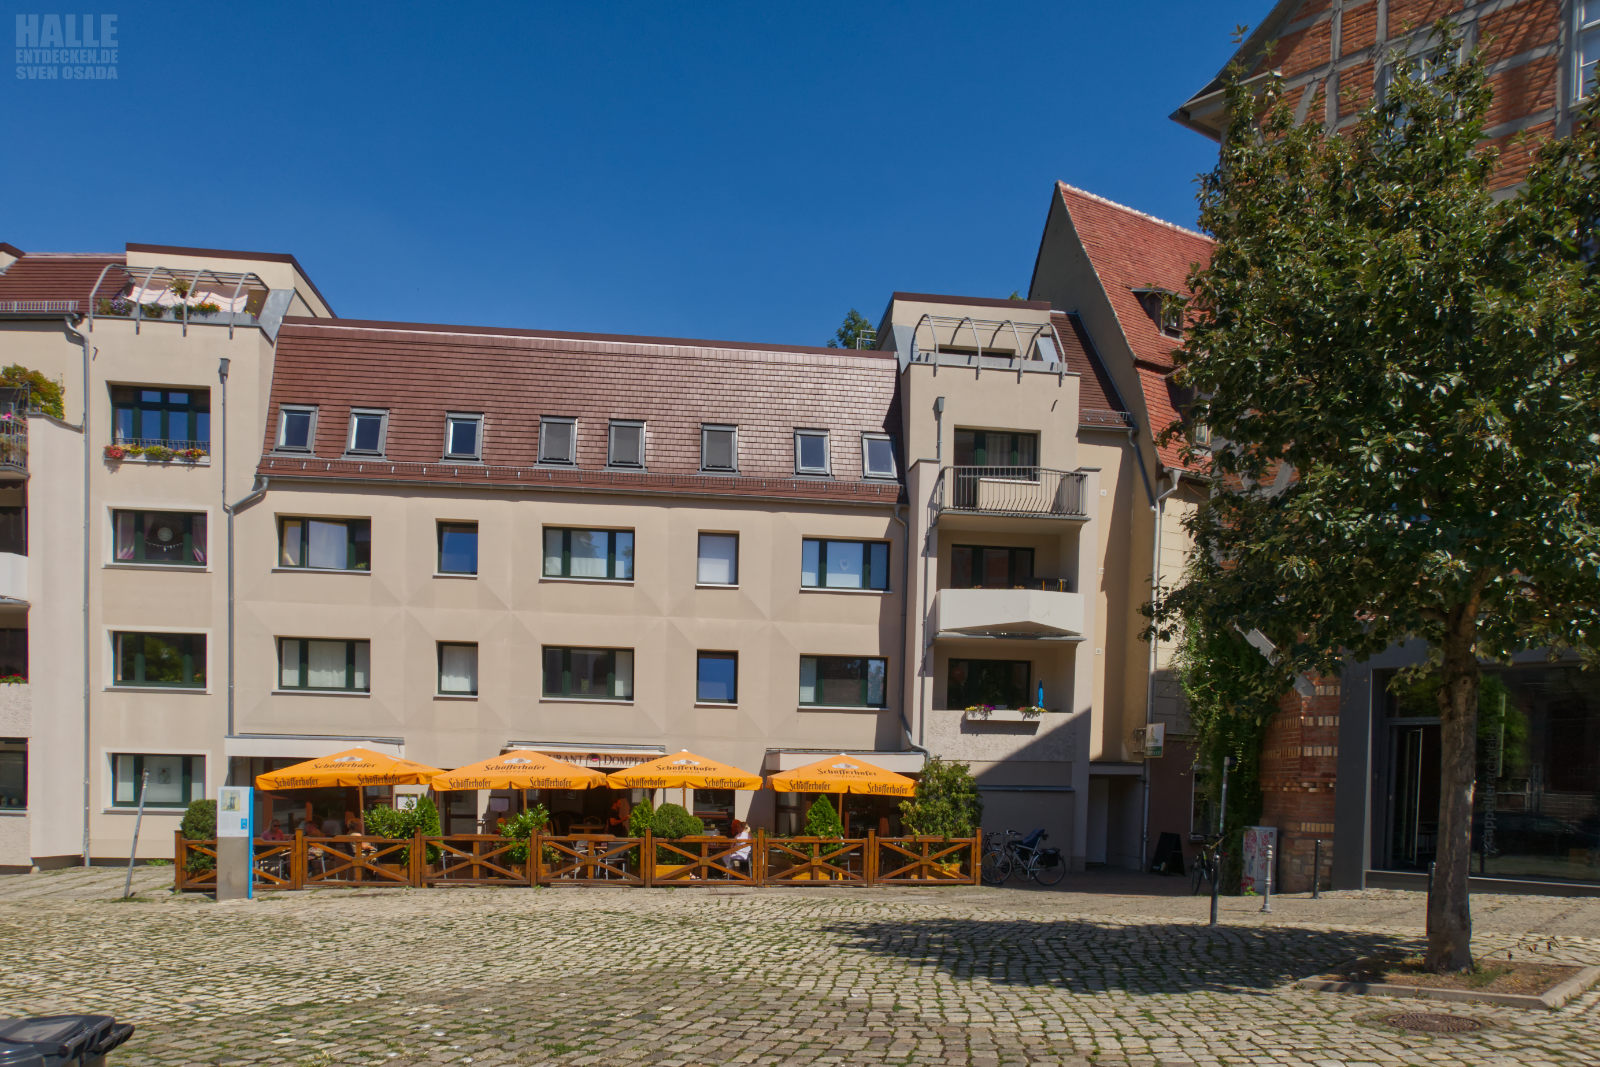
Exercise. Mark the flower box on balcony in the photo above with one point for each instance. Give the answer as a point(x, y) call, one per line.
point(985, 713)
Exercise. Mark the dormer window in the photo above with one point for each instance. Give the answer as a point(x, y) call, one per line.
point(811, 452)
point(558, 440)
point(296, 427)
point(463, 436)
point(1164, 307)
point(625, 447)
point(719, 448)
point(368, 428)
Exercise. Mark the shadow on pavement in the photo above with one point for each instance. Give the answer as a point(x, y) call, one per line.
point(1087, 956)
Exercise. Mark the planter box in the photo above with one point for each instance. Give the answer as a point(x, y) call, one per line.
point(1002, 715)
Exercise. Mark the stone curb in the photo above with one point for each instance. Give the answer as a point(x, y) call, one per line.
point(1550, 999)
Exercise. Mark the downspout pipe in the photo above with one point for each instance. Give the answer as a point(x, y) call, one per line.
point(1158, 509)
point(257, 491)
point(899, 517)
point(82, 341)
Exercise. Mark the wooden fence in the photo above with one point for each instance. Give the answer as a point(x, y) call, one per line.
point(590, 860)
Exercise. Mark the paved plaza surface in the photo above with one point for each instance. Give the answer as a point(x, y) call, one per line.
point(1110, 970)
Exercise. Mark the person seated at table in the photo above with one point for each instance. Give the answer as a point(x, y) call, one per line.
point(617, 821)
point(275, 832)
point(740, 858)
point(352, 823)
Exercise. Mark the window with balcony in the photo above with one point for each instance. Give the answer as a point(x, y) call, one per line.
point(719, 448)
point(625, 444)
point(877, 456)
point(844, 564)
point(811, 452)
point(177, 538)
point(843, 681)
point(369, 429)
point(458, 548)
point(717, 678)
point(998, 448)
point(605, 555)
point(588, 673)
point(718, 562)
point(311, 663)
point(13, 775)
point(558, 440)
point(463, 437)
point(325, 544)
point(458, 669)
point(179, 419)
point(1000, 683)
point(985, 567)
point(1588, 45)
point(297, 427)
point(172, 782)
point(173, 661)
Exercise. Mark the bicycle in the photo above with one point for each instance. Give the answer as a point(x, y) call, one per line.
point(1024, 857)
point(1205, 864)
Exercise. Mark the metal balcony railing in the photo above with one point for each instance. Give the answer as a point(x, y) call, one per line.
point(1026, 492)
point(14, 447)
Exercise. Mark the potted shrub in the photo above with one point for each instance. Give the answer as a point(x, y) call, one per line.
point(199, 824)
point(821, 821)
point(672, 822)
point(116, 452)
point(521, 827)
point(946, 805)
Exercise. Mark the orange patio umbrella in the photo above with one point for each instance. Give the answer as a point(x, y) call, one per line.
point(358, 766)
point(520, 770)
point(354, 767)
point(685, 771)
point(843, 774)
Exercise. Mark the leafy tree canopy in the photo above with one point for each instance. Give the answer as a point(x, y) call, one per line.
point(1400, 373)
point(854, 327)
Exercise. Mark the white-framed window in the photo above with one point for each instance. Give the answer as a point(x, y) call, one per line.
point(558, 440)
point(1587, 40)
point(368, 429)
point(458, 669)
point(322, 664)
point(719, 447)
point(718, 562)
point(877, 456)
point(297, 427)
point(811, 452)
point(463, 436)
point(172, 783)
point(625, 444)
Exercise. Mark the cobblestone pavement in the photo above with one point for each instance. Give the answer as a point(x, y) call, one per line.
point(1122, 975)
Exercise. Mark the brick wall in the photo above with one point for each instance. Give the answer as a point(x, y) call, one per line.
point(1299, 764)
point(1342, 46)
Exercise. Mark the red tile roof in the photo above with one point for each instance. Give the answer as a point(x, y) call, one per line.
point(1098, 402)
point(60, 277)
point(1131, 250)
point(514, 377)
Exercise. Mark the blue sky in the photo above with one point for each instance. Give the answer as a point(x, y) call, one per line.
point(741, 171)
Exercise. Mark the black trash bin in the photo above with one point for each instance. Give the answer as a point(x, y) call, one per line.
point(60, 1040)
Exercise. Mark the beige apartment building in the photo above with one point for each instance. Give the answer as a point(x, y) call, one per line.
point(262, 533)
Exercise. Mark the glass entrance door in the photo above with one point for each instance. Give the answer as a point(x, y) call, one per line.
point(1414, 796)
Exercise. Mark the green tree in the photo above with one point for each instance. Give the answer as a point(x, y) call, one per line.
point(44, 394)
point(852, 330)
point(946, 803)
point(1399, 373)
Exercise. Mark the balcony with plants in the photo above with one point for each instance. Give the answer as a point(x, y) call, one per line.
point(186, 296)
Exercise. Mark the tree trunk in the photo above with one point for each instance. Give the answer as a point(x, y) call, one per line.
point(1449, 913)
